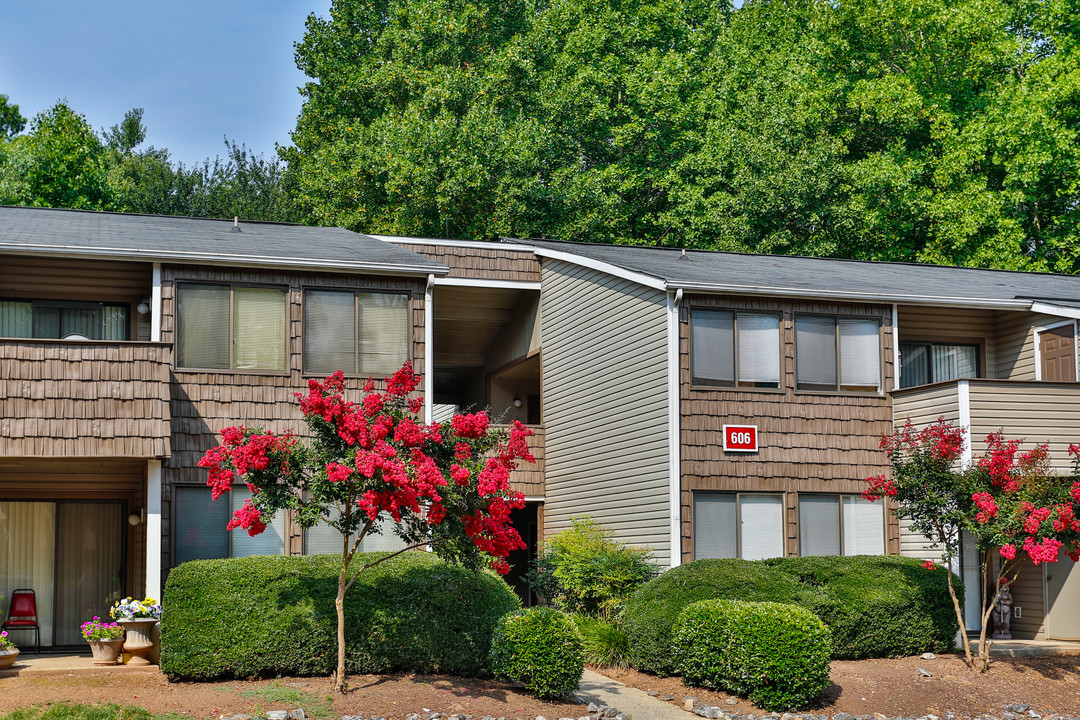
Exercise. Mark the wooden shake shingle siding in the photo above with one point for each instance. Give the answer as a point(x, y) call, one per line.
point(205, 402)
point(529, 477)
point(605, 405)
point(30, 277)
point(809, 442)
point(84, 399)
point(494, 263)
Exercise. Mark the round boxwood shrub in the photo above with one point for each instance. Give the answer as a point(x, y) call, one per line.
point(649, 613)
point(274, 615)
point(877, 606)
point(776, 655)
point(539, 647)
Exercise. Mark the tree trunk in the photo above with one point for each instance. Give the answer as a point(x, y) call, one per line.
point(340, 684)
point(959, 617)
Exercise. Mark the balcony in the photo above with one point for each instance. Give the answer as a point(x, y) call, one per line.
point(528, 479)
point(86, 398)
point(1036, 412)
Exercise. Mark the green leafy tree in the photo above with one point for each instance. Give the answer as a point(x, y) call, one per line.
point(11, 121)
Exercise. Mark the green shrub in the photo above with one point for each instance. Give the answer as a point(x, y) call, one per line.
point(539, 647)
point(875, 606)
point(650, 613)
point(604, 642)
point(776, 655)
point(274, 615)
point(584, 569)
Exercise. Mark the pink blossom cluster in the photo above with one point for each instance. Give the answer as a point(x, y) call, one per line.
point(984, 501)
point(878, 487)
point(247, 518)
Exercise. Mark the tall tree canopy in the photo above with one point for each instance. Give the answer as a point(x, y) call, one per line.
point(62, 162)
point(931, 130)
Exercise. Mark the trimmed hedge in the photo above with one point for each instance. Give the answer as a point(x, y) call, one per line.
point(539, 647)
point(875, 606)
point(650, 613)
point(776, 655)
point(274, 615)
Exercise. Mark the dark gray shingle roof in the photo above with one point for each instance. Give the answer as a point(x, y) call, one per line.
point(197, 240)
point(790, 275)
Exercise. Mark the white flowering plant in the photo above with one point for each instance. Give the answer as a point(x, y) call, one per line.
point(129, 609)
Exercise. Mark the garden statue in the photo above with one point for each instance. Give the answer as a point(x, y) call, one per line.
point(1003, 613)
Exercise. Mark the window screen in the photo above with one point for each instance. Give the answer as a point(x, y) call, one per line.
point(199, 525)
point(239, 327)
point(735, 348)
point(269, 542)
point(259, 328)
point(329, 332)
point(712, 338)
point(860, 354)
point(864, 526)
point(356, 332)
point(819, 525)
point(761, 526)
point(202, 325)
point(715, 529)
point(815, 353)
point(759, 350)
point(383, 330)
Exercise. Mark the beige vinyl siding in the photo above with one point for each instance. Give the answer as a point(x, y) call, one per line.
point(1027, 593)
point(1016, 343)
point(952, 325)
point(1033, 412)
point(606, 405)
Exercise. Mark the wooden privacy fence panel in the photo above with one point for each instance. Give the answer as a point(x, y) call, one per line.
point(84, 398)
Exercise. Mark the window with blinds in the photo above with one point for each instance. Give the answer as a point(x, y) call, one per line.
point(200, 522)
point(59, 319)
point(322, 539)
point(359, 333)
point(840, 525)
point(837, 354)
point(925, 363)
point(735, 349)
point(738, 525)
point(231, 327)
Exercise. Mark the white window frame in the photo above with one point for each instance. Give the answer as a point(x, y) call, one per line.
point(837, 389)
point(840, 518)
point(178, 283)
point(356, 292)
point(738, 517)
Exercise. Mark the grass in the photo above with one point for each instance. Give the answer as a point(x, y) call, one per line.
point(67, 711)
point(313, 705)
point(605, 643)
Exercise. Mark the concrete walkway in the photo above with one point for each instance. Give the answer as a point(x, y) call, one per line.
point(28, 663)
point(1029, 648)
point(632, 702)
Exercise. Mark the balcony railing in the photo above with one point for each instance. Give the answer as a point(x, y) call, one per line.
point(1036, 412)
point(86, 398)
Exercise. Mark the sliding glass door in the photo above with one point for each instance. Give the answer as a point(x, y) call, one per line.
point(71, 554)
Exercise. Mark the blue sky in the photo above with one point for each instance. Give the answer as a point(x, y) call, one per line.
point(200, 69)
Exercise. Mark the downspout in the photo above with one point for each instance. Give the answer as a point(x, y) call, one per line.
point(155, 309)
point(674, 437)
point(429, 350)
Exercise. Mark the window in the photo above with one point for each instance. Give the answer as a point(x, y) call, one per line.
point(824, 345)
point(743, 525)
point(238, 327)
point(200, 527)
point(735, 349)
point(924, 363)
point(360, 333)
point(58, 319)
point(840, 525)
point(322, 539)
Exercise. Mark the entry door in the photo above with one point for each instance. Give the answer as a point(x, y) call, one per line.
point(1062, 599)
point(1057, 350)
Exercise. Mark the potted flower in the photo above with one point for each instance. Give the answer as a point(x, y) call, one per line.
point(138, 617)
point(8, 651)
point(105, 640)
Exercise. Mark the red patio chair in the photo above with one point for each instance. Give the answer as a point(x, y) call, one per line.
point(22, 615)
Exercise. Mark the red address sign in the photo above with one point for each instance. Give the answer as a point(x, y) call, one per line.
point(740, 438)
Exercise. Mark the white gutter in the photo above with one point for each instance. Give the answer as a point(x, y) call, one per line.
point(480, 244)
point(604, 267)
point(181, 256)
point(896, 348)
point(1047, 308)
point(674, 434)
point(851, 296)
point(155, 309)
point(485, 283)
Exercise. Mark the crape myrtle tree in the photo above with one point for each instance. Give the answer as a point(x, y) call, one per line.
point(1008, 500)
point(369, 463)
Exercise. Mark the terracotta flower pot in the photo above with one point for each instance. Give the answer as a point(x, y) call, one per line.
point(106, 652)
point(7, 657)
point(138, 641)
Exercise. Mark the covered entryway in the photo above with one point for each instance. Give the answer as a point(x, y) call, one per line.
point(1062, 599)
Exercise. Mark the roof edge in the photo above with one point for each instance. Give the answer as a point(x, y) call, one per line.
point(1004, 303)
point(650, 281)
point(478, 244)
point(200, 258)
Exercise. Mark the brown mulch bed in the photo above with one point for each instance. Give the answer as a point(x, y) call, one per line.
point(393, 696)
point(892, 687)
